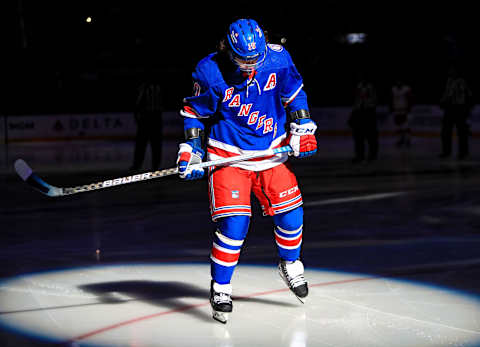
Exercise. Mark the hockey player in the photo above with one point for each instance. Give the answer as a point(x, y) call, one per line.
point(252, 94)
point(401, 105)
point(363, 119)
point(457, 105)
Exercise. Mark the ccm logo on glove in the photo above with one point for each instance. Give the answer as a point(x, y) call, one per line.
point(302, 139)
point(306, 131)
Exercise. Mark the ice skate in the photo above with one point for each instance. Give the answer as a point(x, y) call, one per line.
point(292, 274)
point(221, 301)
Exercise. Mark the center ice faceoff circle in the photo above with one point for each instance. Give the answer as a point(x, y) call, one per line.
point(126, 305)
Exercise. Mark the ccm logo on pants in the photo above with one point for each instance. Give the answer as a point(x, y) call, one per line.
point(288, 192)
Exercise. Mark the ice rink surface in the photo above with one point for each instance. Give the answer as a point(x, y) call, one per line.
point(391, 250)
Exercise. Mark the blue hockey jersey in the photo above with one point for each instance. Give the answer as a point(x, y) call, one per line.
point(246, 114)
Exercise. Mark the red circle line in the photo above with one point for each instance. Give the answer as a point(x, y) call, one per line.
point(189, 307)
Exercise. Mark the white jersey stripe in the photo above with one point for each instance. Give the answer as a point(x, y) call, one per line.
point(288, 238)
point(226, 250)
point(299, 196)
point(253, 165)
point(289, 208)
point(289, 231)
point(294, 95)
point(237, 150)
point(228, 241)
point(189, 115)
point(230, 207)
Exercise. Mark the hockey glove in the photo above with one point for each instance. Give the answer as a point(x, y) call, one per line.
point(188, 154)
point(302, 138)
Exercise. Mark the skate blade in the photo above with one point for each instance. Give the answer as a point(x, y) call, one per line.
point(302, 300)
point(221, 317)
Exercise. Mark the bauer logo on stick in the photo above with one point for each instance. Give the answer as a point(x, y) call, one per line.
point(127, 179)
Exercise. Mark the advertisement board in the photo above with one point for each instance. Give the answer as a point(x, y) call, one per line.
point(425, 120)
point(66, 127)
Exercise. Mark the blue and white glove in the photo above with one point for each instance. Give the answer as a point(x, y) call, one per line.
point(302, 138)
point(190, 153)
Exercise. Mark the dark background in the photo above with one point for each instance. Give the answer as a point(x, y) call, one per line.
point(54, 61)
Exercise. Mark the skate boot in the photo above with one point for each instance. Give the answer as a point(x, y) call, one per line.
point(292, 273)
point(221, 301)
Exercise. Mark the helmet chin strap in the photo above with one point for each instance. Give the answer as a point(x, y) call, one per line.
point(251, 80)
point(250, 75)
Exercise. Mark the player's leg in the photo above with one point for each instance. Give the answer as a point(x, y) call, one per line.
point(462, 132)
point(156, 139)
point(400, 119)
point(141, 142)
point(407, 130)
point(288, 236)
point(446, 133)
point(288, 233)
point(279, 195)
point(229, 192)
point(398, 125)
point(371, 133)
point(358, 143)
point(227, 244)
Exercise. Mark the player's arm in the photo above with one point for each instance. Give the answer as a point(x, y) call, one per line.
point(195, 108)
point(302, 127)
point(191, 151)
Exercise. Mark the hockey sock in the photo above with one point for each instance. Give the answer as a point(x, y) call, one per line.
point(227, 243)
point(288, 233)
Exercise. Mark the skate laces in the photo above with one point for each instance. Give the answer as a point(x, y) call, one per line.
point(221, 298)
point(296, 279)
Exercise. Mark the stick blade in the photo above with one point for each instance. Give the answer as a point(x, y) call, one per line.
point(22, 169)
point(27, 174)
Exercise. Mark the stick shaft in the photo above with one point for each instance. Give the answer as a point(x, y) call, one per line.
point(244, 157)
point(119, 181)
point(36, 182)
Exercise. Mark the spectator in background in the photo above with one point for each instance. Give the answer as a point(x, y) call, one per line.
point(400, 107)
point(363, 120)
point(148, 116)
point(456, 103)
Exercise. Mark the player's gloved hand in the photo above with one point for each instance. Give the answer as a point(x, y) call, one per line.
point(302, 138)
point(190, 153)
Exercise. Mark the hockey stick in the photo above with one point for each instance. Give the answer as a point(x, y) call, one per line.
point(27, 174)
